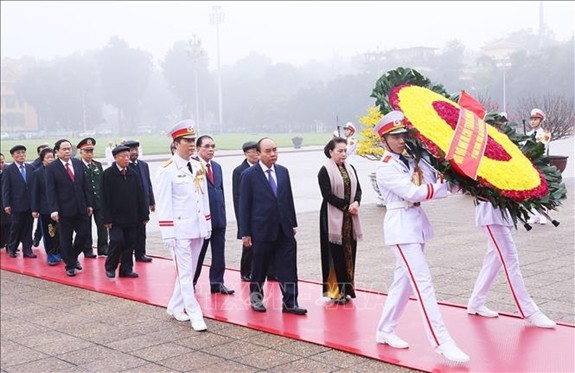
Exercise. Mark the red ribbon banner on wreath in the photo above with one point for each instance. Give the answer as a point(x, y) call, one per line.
point(468, 143)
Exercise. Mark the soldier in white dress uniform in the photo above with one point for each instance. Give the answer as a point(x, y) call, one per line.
point(502, 253)
point(404, 184)
point(536, 119)
point(184, 216)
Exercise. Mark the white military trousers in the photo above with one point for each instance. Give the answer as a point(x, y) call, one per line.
point(412, 275)
point(185, 256)
point(502, 253)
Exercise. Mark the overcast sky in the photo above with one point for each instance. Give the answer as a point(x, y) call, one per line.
point(286, 31)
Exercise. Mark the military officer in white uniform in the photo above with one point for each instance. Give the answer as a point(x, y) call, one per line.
point(502, 253)
point(536, 119)
point(184, 216)
point(404, 184)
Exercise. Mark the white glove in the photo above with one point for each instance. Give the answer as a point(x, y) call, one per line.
point(170, 243)
point(208, 236)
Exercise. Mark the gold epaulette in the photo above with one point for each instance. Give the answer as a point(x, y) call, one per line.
point(167, 163)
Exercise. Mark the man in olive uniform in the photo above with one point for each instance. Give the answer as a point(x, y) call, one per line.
point(94, 173)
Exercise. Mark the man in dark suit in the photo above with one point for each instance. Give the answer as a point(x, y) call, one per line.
point(124, 209)
point(251, 154)
point(16, 200)
point(268, 225)
point(70, 201)
point(36, 164)
point(206, 148)
point(143, 170)
point(94, 173)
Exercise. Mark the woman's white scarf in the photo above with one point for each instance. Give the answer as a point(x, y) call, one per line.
point(335, 215)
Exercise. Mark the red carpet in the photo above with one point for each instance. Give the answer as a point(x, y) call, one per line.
point(504, 344)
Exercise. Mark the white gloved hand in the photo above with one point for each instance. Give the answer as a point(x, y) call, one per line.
point(208, 236)
point(170, 243)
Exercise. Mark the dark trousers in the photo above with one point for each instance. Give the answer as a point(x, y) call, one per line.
point(4, 229)
point(38, 232)
point(4, 234)
point(283, 252)
point(21, 231)
point(122, 240)
point(139, 246)
point(218, 266)
point(246, 263)
point(50, 234)
point(67, 226)
point(102, 232)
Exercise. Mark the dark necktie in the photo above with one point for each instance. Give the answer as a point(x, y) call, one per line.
point(69, 171)
point(272, 182)
point(190, 168)
point(404, 160)
point(210, 173)
point(123, 172)
point(23, 172)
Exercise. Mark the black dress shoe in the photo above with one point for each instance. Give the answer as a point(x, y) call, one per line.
point(272, 278)
point(12, 254)
point(103, 251)
point(222, 290)
point(31, 255)
point(70, 272)
point(295, 310)
point(129, 275)
point(110, 274)
point(258, 307)
point(36, 242)
point(143, 258)
point(78, 266)
point(246, 278)
point(90, 255)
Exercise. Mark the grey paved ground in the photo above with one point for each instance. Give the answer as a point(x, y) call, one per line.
point(48, 327)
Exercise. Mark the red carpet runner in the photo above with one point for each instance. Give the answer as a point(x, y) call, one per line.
point(504, 344)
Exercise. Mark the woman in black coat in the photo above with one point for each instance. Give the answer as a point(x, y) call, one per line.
point(340, 228)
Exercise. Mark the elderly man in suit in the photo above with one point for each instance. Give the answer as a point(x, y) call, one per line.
point(94, 172)
point(123, 210)
point(268, 226)
point(70, 203)
point(142, 168)
point(16, 199)
point(206, 148)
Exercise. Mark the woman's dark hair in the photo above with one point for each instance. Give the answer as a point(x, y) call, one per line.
point(45, 151)
point(331, 145)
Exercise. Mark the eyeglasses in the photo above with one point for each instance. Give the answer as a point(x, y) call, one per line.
point(207, 146)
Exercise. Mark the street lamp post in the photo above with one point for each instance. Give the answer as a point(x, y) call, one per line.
point(504, 63)
point(195, 51)
point(217, 18)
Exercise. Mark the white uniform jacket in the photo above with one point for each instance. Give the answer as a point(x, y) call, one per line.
point(487, 214)
point(182, 203)
point(405, 221)
point(541, 135)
